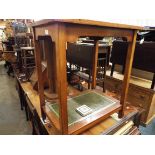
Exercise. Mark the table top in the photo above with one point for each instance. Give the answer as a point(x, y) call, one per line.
point(86, 22)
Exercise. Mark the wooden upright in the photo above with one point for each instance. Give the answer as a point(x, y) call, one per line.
point(69, 30)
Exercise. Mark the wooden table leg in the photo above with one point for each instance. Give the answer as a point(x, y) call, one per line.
point(61, 69)
point(128, 68)
point(94, 70)
point(39, 72)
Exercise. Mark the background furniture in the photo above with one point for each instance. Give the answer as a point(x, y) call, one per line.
point(81, 55)
point(28, 61)
point(137, 96)
point(10, 61)
point(8, 46)
point(144, 57)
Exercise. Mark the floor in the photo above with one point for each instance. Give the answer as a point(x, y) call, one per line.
point(12, 118)
point(149, 130)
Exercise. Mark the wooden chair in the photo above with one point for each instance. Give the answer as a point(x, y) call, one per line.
point(28, 61)
point(10, 60)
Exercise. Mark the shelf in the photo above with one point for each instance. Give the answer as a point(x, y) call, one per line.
point(101, 104)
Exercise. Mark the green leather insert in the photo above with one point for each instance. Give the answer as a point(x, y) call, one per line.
point(92, 99)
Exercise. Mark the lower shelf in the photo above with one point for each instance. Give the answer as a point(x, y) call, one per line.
point(102, 106)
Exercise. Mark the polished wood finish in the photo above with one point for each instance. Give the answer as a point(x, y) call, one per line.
point(39, 70)
point(128, 68)
point(86, 22)
point(95, 58)
point(62, 77)
point(63, 31)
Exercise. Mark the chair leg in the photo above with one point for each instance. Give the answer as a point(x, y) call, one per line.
point(26, 110)
point(89, 79)
point(112, 69)
point(105, 70)
point(21, 97)
point(10, 70)
point(33, 130)
point(104, 86)
point(123, 69)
